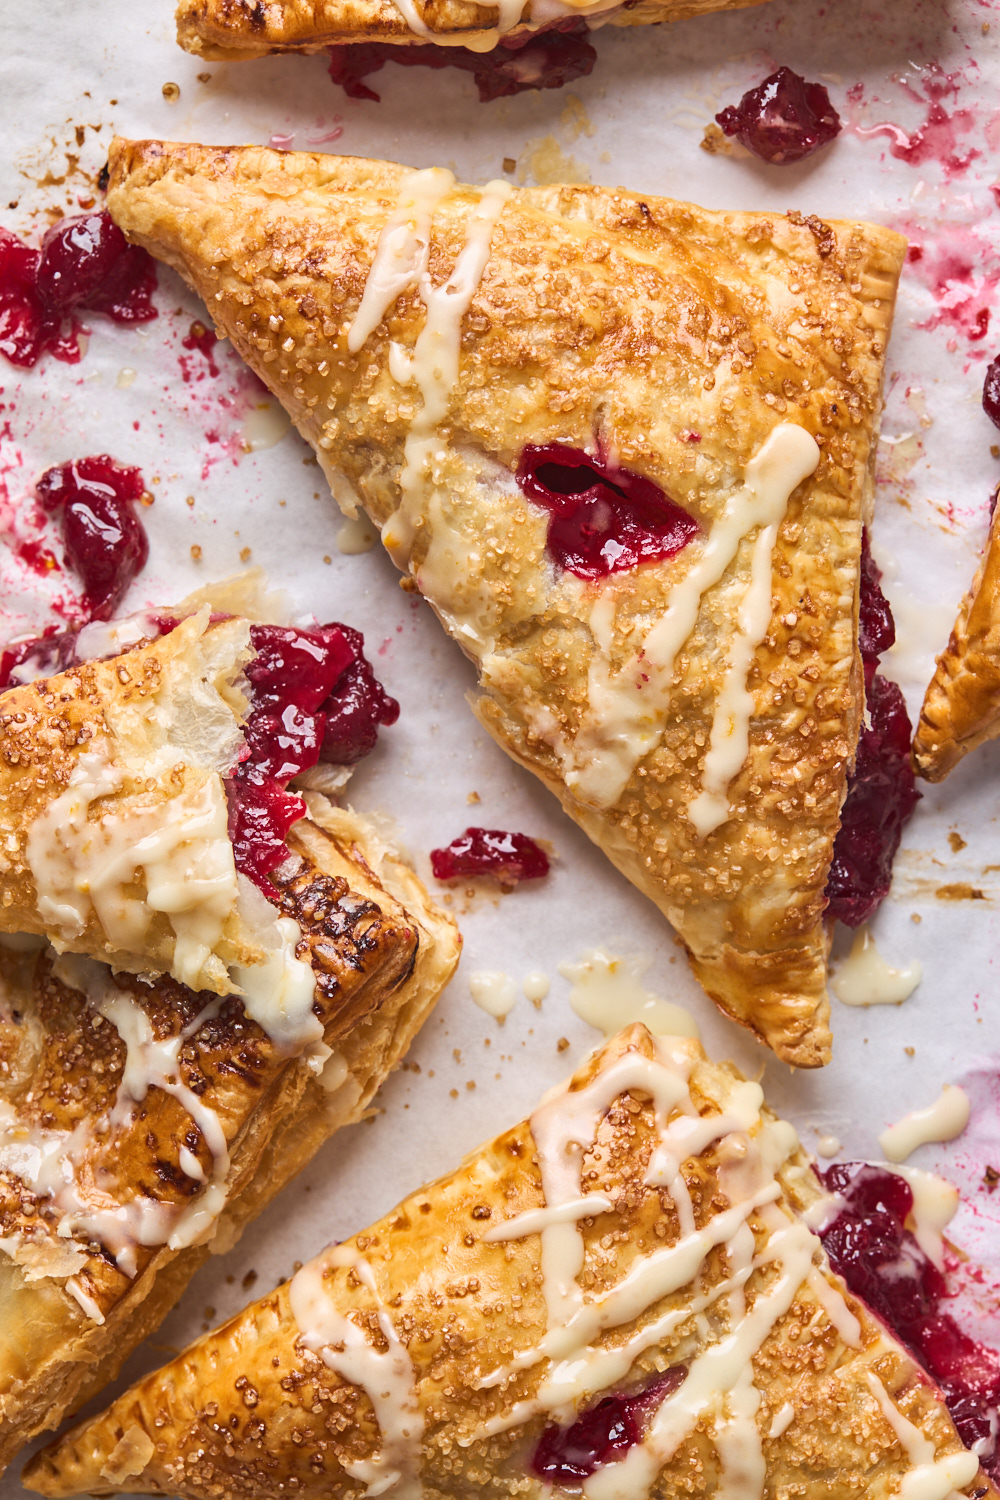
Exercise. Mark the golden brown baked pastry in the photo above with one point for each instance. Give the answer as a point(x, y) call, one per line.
point(449, 351)
point(143, 1122)
point(961, 707)
point(638, 1241)
point(230, 30)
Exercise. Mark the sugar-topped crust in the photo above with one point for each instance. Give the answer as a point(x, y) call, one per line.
point(681, 339)
point(961, 707)
point(231, 30)
point(381, 953)
point(429, 1303)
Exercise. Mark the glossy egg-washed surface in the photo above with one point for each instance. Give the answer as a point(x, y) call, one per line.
point(663, 319)
point(248, 1409)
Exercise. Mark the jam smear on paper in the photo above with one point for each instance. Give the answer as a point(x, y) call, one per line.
point(603, 519)
point(601, 1434)
point(881, 789)
point(314, 697)
point(508, 857)
point(539, 60)
point(783, 120)
point(85, 264)
point(870, 1246)
point(105, 541)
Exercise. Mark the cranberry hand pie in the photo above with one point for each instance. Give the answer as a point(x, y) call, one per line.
point(623, 448)
point(620, 1296)
point(142, 1116)
point(222, 30)
point(961, 708)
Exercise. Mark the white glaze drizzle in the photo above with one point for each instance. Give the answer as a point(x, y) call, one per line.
point(387, 1378)
point(864, 977)
point(181, 848)
point(608, 993)
point(941, 1121)
point(534, 1220)
point(782, 1420)
point(494, 992)
point(931, 1478)
point(403, 250)
point(625, 718)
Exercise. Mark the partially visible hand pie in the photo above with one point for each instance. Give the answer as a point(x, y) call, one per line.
point(623, 446)
point(145, 1120)
point(961, 708)
point(620, 1297)
point(228, 31)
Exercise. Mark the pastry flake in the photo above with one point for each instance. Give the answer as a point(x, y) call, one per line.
point(511, 381)
point(144, 1122)
point(620, 1296)
point(961, 707)
point(223, 31)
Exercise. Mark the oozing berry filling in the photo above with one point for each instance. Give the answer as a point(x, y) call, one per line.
point(878, 1257)
point(604, 519)
point(508, 857)
point(603, 1433)
point(84, 264)
point(543, 60)
point(42, 656)
point(991, 392)
point(881, 790)
point(302, 681)
point(783, 120)
point(106, 543)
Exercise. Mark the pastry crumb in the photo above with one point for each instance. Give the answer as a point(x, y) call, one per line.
point(245, 554)
point(473, 797)
point(990, 1179)
point(510, 164)
point(196, 553)
point(249, 1280)
point(562, 1044)
point(910, 1051)
point(956, 841)
point(189, 500)
point(715, 142)
point(171, 92)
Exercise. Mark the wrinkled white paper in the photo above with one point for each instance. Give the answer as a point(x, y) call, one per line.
point(74, 70)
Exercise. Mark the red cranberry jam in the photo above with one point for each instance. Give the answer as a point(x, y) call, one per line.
point(784, 119)
point(878, 1257)
point(105, 541)
point(43, 655)
point(881, 790)
point(508, 857)
point(315, 698)
point(991, 392)
point(603, 519)
point(84, 264)
point(543, 60)
point(602, 1434)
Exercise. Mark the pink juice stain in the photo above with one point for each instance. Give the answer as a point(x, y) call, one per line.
point(940, 138)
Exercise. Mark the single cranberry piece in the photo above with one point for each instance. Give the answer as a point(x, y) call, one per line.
point(78, 256)
point(544, 59)
point(601, 1434)
point(604, 519)
point(509, 857)
point(105, 541)
point(783, 120)
point(260, 815)
point(991, 392)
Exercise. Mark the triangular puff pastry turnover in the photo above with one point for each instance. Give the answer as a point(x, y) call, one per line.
point(620, 1296)
point(961, 708)
point(144, 1120)
point(219, 29)
point(623, 446)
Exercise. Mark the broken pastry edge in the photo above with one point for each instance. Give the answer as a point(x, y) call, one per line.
point(205, 30)
point(87, 1458)
point(961, 706)
point(308, 1116)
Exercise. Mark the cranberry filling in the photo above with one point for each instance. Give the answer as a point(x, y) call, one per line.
point(871, 1248)
point(603, 1433)
point(84, 263)
point(105, 541)
point(991, 392)
point(784, 119)
point(509, 857)
point(543, 60)
point(881, 790)
point(43, 655)
point(303, 682)
point(604, 519)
